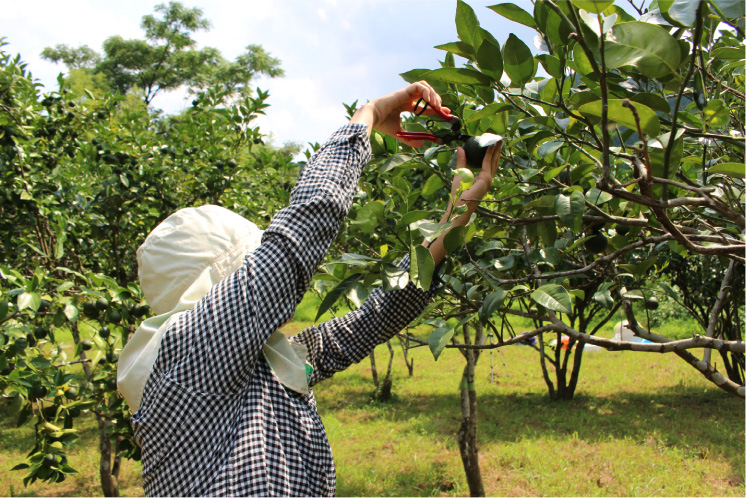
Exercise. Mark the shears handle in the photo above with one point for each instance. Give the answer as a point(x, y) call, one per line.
point(442, 114)
point(417, 135)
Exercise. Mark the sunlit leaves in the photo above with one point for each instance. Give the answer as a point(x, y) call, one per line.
point(570, 209)
point(518, 61)
point(514, 13)
point(717, 114)
point(648, 48)
point(624, 116)
point(553, 297)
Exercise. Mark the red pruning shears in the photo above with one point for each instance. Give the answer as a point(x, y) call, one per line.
point(443, 136)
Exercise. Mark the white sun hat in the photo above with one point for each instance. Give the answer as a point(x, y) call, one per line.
point(179, 262)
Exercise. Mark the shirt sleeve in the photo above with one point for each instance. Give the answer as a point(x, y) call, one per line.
point(335, 345)
point(215, 345)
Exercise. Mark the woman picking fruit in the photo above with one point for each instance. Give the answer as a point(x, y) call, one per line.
point(222, 400)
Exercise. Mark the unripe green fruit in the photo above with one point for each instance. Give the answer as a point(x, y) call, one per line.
point(86, 344)
point(104, 332)
point(89, 309)
point(102, 304)
point(622, 229)
point(49, 460)
point(112, 357)
point(596, 243)
point(651, 303)
point(71, 393)
point(40, 332)
point(115, 317)
point(38, 391)
point(20, 345)
point(111, 384)
point(466, 175)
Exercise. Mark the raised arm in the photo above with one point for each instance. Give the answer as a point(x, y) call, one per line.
point(335, 345)
point(225, 332)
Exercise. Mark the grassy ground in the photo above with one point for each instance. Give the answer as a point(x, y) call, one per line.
point(642, 425)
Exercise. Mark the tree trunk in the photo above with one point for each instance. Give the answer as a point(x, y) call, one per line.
point(373, 369)
point(405, 350)
point(109, 482)
point(384, 393)
point(467, 434)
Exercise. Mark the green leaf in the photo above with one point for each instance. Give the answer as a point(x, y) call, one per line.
point(717, 113)
point(594, 6)
point(730, 8)
point(597, 197)
point(570, 209)
point(518, 61)
point(648, 48)
point(393, 277)
point(488, 111)
point(394, 161)
point(368, 216)
point(603, 297)
point(654, 101)
point(421, 267)
point(547, 232)
point(491, 304)
point(638, 269)
point(3, 309)
point(429, 230)
point(454, 239)
point(728, 53)
point(439, 339)
point(30, 300)
point(412, 216)
point(71, 312)
point(514, 13)
point(553, 297)
point(618, 113)
point(490, 60)
point(735, 170)
point(551, 64)
point(458, 48)
point(459, 75)
point(681, 12)
point(432, 185)
point(466, 22)
point(333, 295)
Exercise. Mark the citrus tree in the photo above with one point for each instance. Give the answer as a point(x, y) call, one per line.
point(84, 180)
point(622, 167)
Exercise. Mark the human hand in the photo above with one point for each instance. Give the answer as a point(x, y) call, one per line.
point(483, 181)
point(387, 109)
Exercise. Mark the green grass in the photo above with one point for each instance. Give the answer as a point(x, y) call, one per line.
point(642, 424)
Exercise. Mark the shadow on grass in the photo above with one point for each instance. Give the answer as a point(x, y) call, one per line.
point(698, 423)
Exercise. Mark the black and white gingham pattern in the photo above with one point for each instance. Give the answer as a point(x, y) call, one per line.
point(214, 419)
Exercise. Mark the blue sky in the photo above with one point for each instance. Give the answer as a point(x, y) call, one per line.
point(332, 51)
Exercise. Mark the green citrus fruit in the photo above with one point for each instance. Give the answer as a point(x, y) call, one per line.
point(651, 303)
point(86, 344)
point(596, 243)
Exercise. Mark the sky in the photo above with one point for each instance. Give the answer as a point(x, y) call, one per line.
point(332, 51)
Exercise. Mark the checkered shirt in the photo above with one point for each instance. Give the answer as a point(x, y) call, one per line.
point(214, 419)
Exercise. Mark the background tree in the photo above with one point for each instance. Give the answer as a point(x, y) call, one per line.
point(167, 58)
point(85, 177)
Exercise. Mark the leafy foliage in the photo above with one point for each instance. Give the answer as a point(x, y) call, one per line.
point(623, 152)
point(84, 178)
